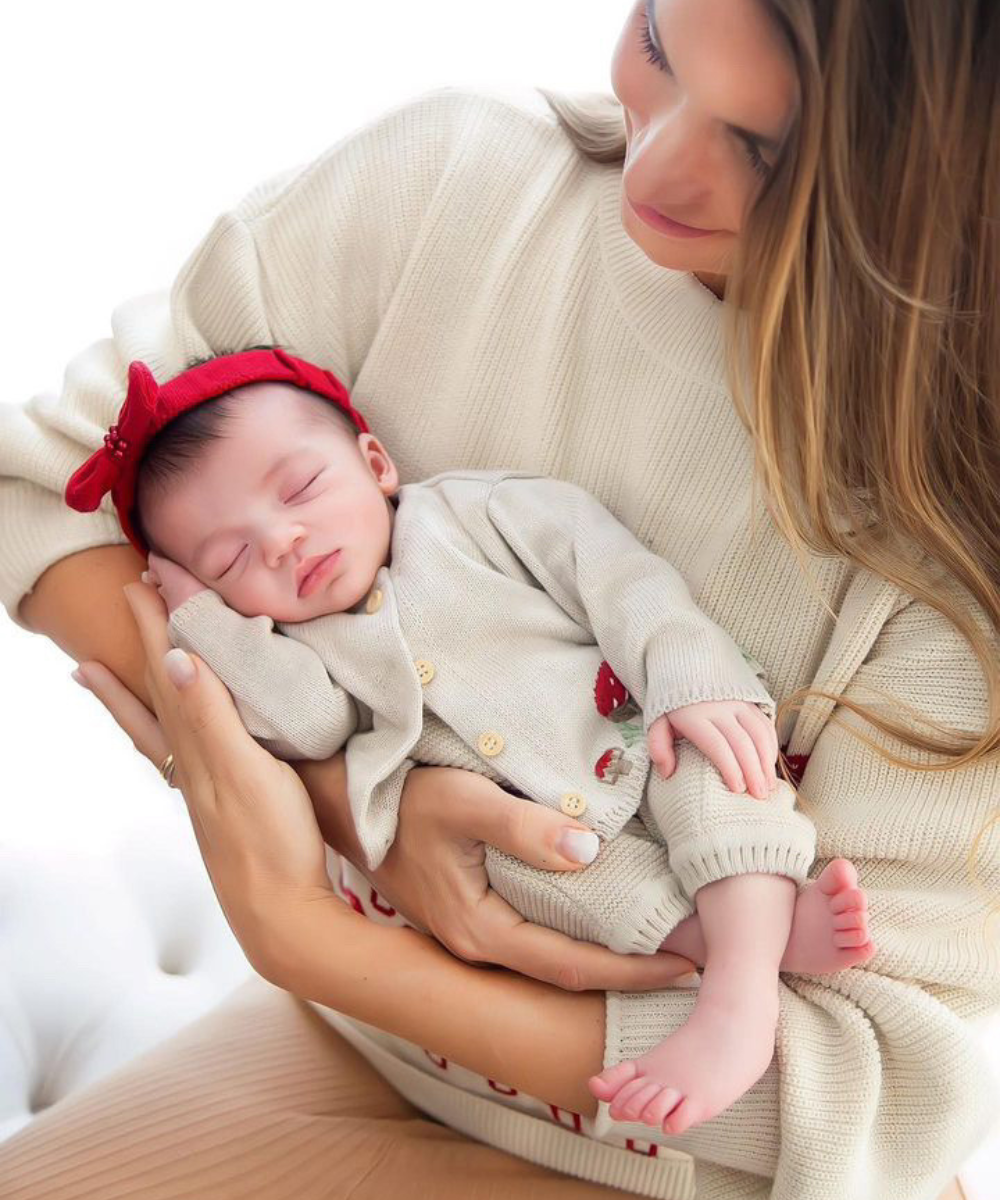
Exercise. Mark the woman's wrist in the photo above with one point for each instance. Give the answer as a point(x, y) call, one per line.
point(78, 603)
point(326, 783)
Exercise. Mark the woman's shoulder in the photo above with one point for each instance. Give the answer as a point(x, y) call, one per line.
point(453, 132)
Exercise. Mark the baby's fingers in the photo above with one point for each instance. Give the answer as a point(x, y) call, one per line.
point(762, 733)
point(747, 756)
point(712, 742)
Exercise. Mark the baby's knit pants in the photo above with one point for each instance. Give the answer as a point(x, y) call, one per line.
point(690, 830)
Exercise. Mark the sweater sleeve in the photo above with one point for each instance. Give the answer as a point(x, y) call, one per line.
point(878, 1087)
point(309, 260)
point(659, 643)
point(283, 692)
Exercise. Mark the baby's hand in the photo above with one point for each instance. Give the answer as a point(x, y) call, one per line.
point(736, 735)
point(174, 583)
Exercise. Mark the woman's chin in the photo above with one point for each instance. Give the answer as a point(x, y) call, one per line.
point(674, 254)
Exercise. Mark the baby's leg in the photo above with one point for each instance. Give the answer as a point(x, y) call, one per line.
point(829, 926)
point(740, 859)
point(726, 1044)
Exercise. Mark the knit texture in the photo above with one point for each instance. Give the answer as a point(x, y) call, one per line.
point(466, 272)
point(510, 604)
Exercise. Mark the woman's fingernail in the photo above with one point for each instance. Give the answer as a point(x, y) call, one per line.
point(688, 981)
point(179, 667)
point(578, 845)
point(80, 678)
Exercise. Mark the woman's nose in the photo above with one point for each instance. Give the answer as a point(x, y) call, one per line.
point(278, 543)
point(670, 151)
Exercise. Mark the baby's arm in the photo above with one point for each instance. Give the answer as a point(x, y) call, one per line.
point(282, 690)
point(669, 655)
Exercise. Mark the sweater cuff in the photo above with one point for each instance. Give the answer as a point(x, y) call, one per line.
point(702, 667)
point(200, 621)
point(785, 847)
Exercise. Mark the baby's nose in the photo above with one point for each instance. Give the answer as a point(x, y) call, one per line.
point(280, 543)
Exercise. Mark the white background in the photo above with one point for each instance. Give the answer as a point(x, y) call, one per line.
point(127, 127)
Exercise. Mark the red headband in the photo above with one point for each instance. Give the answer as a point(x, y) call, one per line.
point(149, 407)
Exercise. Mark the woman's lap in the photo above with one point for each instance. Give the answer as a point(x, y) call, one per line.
point(258, 1098)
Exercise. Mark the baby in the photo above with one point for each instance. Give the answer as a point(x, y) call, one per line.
point(500, 621)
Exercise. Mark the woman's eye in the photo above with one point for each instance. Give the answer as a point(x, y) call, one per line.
point(757, 163)
point(305, 487)
point(652, 54)
point(232, 564)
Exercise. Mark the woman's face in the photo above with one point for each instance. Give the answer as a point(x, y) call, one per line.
point(709, 91)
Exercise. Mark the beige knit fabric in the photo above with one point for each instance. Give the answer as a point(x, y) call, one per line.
point(468, 275)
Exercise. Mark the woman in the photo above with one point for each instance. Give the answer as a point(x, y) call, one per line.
point(493, 281)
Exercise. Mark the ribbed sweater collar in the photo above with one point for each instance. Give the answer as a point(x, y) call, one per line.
point(677, 318)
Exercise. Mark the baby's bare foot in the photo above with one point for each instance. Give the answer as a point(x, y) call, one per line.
point(830, 923)
point(697, 1072)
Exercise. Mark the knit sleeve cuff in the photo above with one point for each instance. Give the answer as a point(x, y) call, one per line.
point(786, 847)
point(708, 665)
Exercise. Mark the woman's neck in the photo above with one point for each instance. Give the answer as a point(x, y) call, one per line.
point(715, 283)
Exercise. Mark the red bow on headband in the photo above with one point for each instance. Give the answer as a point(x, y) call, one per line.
point(148, 407)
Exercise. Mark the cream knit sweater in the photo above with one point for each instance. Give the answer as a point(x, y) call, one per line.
point(467, 274)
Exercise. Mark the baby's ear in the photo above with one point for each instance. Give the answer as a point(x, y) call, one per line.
point(380, 463)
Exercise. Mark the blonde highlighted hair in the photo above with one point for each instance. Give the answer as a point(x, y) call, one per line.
point(862, 317)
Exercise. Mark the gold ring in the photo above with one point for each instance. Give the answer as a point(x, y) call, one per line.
point(166, 769)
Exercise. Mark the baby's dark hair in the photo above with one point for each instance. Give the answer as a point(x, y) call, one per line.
point(180, 444)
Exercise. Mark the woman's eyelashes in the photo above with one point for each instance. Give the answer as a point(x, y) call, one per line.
point(753, 155)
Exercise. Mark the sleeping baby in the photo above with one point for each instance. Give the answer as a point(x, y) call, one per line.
point(500, 621)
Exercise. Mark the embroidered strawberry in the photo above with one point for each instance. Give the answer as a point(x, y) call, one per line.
point(611, 696)
point(612, 765)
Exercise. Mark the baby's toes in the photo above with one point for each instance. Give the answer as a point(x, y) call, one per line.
point(687, 1113)
point(633, 1098)
point(607, 1085)
point(661, 1104)
point(838, 875)
point(854, 918)
point(850, 937)
point(849, 898)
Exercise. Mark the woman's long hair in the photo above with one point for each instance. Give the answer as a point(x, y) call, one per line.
point(863, 312)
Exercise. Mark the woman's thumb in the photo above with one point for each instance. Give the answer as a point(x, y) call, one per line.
point(535, 833)
point(179, 667)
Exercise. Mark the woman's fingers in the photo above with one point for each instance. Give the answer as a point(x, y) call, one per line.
point(574, 966)
point(531, 832)
point(126, 708)
point(194, 707)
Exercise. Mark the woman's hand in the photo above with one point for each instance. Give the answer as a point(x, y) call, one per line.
point(251, 813)
point(435, 874)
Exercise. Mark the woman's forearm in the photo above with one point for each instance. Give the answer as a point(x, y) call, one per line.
point(507, 1027)
point(78, 603)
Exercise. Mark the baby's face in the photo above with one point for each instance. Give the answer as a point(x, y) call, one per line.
point(264, 503)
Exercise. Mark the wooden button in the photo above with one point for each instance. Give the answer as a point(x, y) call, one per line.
point(425, 670)
point(374, 601)
point(573, 804)
point(490, 744)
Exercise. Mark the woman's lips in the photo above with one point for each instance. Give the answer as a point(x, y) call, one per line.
point(318, 573)
point(664, 224)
